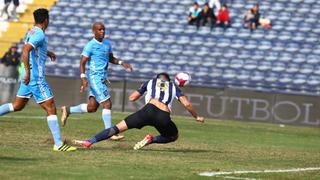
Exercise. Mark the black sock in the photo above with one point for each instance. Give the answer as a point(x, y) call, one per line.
point(104, 134)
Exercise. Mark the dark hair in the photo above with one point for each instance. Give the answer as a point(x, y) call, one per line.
point(195, 3)
point(40, 15)
point(164, 74)
point(225, 5)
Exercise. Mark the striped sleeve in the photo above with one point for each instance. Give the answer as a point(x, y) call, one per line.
point(179, 93)
point(143, 88)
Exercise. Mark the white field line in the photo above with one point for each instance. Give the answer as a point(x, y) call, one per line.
point(240, 178)
point(259, 172)
point(30, 117)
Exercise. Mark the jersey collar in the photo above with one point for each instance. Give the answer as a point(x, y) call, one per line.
point(97, 41)
point(38, 28)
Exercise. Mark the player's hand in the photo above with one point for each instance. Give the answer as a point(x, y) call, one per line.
point(26, 79)
point(200, 119)
point(84, 84)
point(52, 56)
point(128, 67)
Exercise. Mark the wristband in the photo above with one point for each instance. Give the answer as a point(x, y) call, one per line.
point(82, 75)
point(120, 62)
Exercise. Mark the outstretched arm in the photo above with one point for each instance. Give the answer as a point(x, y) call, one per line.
point(138, 93)
point(84, 81)
point(134, 96)
point(189, 107)
point(25, 59)
point(118, 61)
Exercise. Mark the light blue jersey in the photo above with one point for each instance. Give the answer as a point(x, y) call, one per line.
point(98, 54)
point(38, 55)
point(37, 87)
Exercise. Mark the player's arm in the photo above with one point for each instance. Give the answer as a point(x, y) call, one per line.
point(118, 61)
point(134, 96)
point(51, 55)
point(25, 59)
point(186, 103)
point(84, 81)
point(138, 93)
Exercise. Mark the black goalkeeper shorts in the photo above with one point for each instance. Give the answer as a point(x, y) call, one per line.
point(150, 115)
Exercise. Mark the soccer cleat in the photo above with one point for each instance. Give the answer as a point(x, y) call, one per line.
point(64, 116)
point(117, 137)
point(146, 141)
point(64, 147)
point(85, 144)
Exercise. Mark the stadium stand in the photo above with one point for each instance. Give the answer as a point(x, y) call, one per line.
point(154, 36)
point(12, 32)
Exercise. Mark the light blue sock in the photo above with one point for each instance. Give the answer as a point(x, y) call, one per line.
point(6, 108)
point(81, 108)
point(106, 117)
point(55, 129)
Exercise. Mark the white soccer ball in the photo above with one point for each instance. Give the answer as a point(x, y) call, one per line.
point(182, 79)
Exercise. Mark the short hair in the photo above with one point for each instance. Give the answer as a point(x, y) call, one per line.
point(40, 15)
point(95, 24)
point(164, 74)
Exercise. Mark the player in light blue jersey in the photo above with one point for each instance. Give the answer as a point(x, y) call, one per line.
point(160, 93)
point(33, 83)
point(97, 55)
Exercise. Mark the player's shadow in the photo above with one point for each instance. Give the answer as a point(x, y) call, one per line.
point(183, 150)
point(127, 147)
point(7, 158)
point(10, 121)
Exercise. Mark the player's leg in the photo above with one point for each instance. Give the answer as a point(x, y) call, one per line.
point(18, 104)
point(106, 117)
point(135, 120)
point(104, 134)
point(106, 113)
point(91, 107)
point(165, 126)
point(52, 119)
point(44, 97)
point(168, 134)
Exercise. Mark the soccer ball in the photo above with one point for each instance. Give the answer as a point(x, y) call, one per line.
point(182, 79)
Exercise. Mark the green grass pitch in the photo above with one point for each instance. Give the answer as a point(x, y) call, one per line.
point(26, 150)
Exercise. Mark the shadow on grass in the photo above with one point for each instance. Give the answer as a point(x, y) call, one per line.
point(10, 120)
point(127, 147)
point(182, 150)
point(7, 158)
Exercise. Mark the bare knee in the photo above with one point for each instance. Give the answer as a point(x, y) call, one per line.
point(18, 107)
point(19, 103)
point(92, 109)
point(107, 104)
point(49, 106)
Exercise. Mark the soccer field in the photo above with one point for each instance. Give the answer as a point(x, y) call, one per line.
point(25, 150)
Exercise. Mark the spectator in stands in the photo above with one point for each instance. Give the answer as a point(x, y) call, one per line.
point(223, 17)
point(215, 6)
point(194, 13)
point(206, 16)
point(14, 11)
point(11, 58)
point(252, 17)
